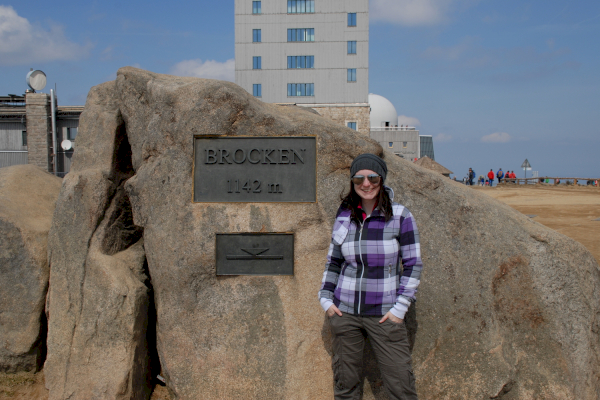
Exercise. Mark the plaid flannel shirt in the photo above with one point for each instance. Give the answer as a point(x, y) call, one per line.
point(364, 274)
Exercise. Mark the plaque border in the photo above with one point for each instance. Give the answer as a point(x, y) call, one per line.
point(261, 234)
point(194, 137)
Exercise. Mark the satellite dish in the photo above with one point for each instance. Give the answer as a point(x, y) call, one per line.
point(66, 145)
point(36, 79)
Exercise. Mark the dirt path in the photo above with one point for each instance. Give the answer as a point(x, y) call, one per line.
point(573, 211)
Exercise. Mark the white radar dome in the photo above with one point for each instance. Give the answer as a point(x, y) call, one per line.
point(382, 111)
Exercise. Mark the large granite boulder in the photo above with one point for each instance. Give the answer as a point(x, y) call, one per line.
point(507, 308)
point(27, 199)
point(100, 297)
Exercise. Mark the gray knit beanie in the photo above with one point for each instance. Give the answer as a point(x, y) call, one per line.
point(369, 161)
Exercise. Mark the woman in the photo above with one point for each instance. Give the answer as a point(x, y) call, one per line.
point(365, 291)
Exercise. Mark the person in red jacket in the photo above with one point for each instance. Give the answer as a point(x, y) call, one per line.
point(491, 177)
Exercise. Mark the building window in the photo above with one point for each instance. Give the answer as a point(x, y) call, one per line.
point(351, 74)
point(301, 35)
point(256, 36)
point(71, 133)
point(391, 144)
point(351, 46)
point(301, 6)
point(24, 138)
point(301, 89)
point(301, 61)
point(404, 144)
point(256, 7)
point(351, 125)
point(351, 19)
point(256, 62)
point(257, 90)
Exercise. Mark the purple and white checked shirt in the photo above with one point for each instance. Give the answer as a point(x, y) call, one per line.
point(362, 274)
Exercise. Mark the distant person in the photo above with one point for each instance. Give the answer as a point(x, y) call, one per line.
point(499, 175)
point(471, 176)
point(481, 180)
point(491, 177)
point(371, 277)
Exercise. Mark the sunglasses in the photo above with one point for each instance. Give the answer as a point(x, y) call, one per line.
point(359, 179)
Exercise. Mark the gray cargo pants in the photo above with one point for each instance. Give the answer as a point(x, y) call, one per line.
point(391, 347)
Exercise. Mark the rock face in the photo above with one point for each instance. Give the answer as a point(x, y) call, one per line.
point(27, 199)
point(99, 298)
point(507, 308)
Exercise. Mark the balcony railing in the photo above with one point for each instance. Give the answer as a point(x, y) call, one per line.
point(394, 128)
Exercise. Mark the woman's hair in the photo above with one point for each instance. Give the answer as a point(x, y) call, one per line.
point(351, 200)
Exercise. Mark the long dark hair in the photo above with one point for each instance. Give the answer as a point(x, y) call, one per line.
point(351, 200)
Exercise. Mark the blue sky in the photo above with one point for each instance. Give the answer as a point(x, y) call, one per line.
point(494, 82)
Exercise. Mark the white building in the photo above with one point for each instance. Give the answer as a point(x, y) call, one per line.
point(312, 53)
point(404, 141)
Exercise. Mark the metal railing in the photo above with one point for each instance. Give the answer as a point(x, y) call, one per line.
point(393, 128)
point(550, 181)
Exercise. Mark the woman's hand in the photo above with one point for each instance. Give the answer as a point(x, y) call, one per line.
point(333, 310)
point(389, 315)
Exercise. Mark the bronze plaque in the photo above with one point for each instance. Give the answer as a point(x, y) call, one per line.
point(255, 169)
point(255, 253)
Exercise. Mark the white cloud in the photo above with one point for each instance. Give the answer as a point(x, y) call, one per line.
point(498, 137)
point(209, 69)
point(408, 12)
point(107, 53)
point(442, 137)
point(23, 43)
point(414, 12)
point(408, 121)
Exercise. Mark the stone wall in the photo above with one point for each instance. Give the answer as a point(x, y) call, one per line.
point(39, 130)
point(349, 113)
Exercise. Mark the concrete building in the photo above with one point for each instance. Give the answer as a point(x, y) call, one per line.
point(404, 141)
point(427, 147)
point(306, 52)
point(26, 132)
